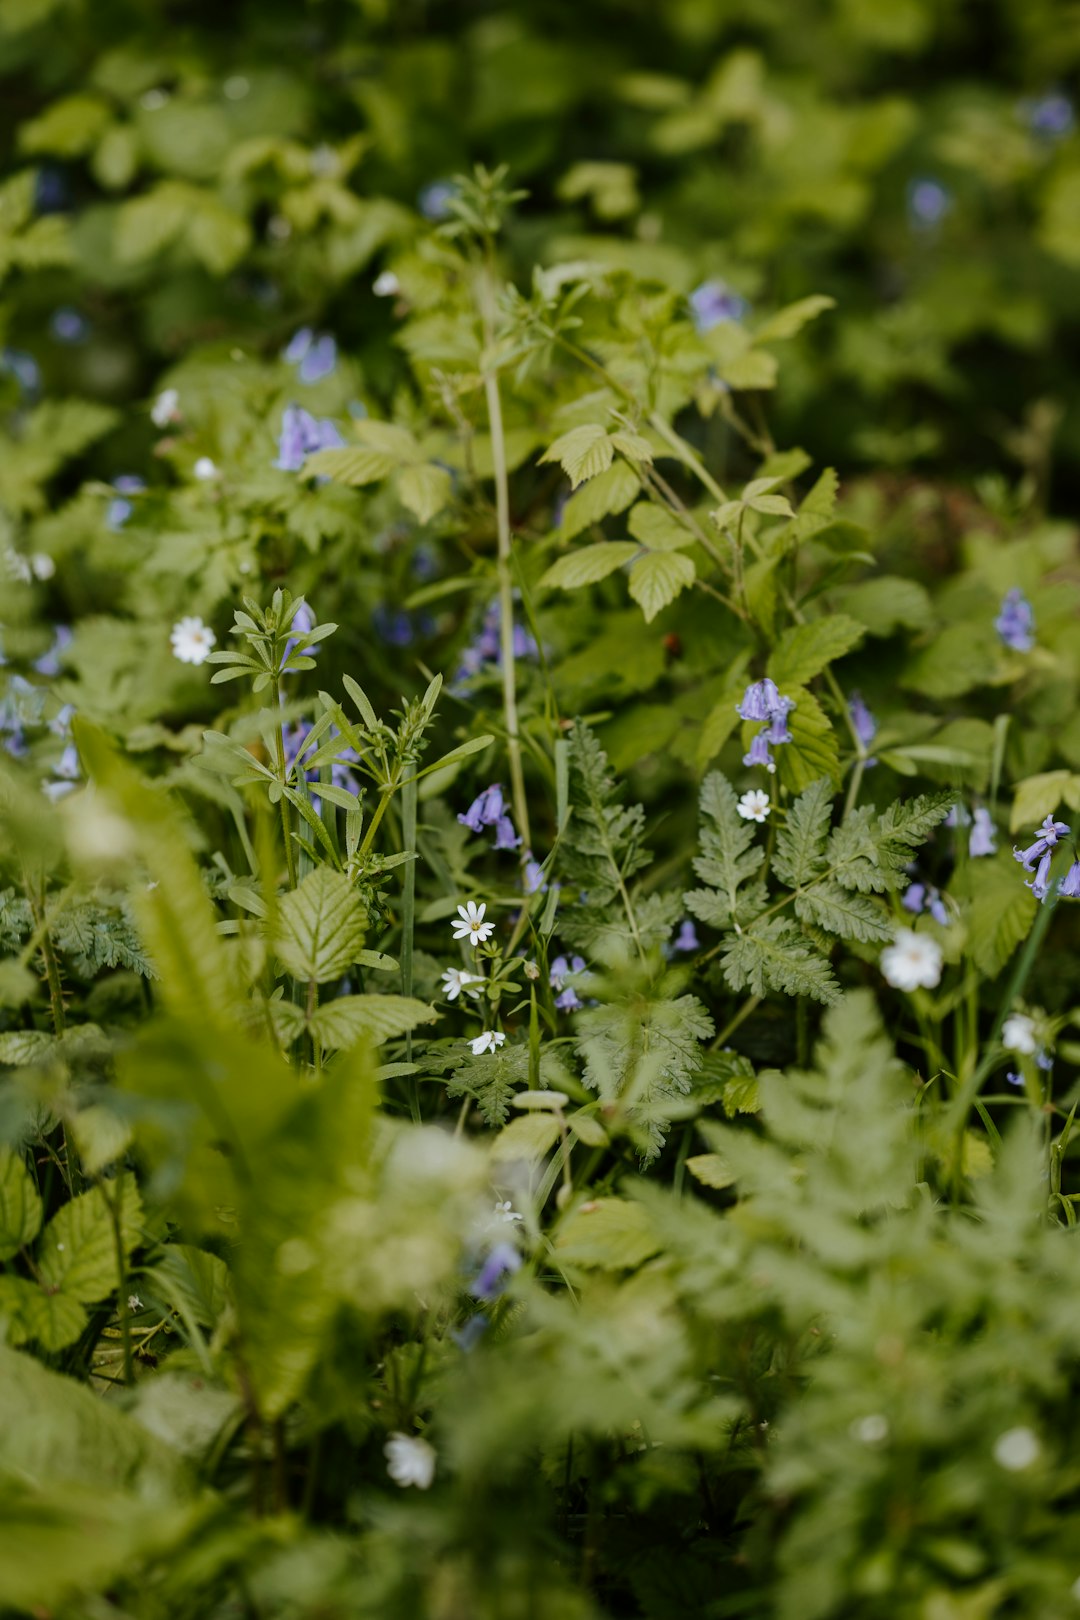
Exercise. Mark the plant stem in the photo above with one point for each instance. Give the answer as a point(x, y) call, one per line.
point(505, 575)
point(283, 804)
point(408, 918)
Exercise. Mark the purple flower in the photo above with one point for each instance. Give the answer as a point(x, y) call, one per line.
point(301, 435)
point(316, 356)
point(759, 751)
point(505, 836)
point(760, 701)
point(501, 1263)
point(487, 648)
point(23, 367)
point(49, 663)
point(713, 303)
point(686, 939)
point(1044, 1060)
point(68, 326)
point(981, 840)
point(1015, 624)
point(1049, 833)
point(395, 629)
point(777, 731)
point(1013, 1078)
point(928, 203)
point(533, 877)
point(1069, 887)
point(1040, 883)
point(435, 199)
point(468, 1336)
point(120, 508)
point(919, 897)
point(957, 817)
point(1050, 115)
point(485, 810)
point(914, 897)
point(863, 722)
point(567, 999)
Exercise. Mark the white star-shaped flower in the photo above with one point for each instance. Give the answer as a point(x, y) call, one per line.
point(506, 1212)
point(470, 923)
point(455, 980)
point(410, 1460)
point(489, 1041)
point(192, 640)
point(754, 806)
point(912, 962)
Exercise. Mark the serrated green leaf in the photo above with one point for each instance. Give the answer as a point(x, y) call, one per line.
point(729, 855)
point(582, 453)
point(20, 1204)
point(812, 752)
point(608, 1234)
point(632, 445)
point(609, 492)
point(356, 465)
point(776, 956)
point(77, 1252)
point(376, 1018)
point(657, 529)
point(843, 913)
point(425, 490)
point(1002, 910)
point(804, 650)
point(320, 926)
point(711, 1169)
point(1037, 797)
point(800, 844)
point(590, 564)
point(50, 1320)
point(657, 579)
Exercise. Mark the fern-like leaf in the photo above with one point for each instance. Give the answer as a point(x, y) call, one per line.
point(800, 845)
point(776, 956)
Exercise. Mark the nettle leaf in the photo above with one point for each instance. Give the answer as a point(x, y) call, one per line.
point(800, 845)
point(812, 751)
point(658, 578)
point(20, 1204)
point(805, 650)
point(77, 1253)
point(321, 926)
point(609, 492)
point(848, 915)
point(656, 528)
point(376, 1018)
point(582, 453)
point(729, 857)
point(777, 956)
point(591, 564)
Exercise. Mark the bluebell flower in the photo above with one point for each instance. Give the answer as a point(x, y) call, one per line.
point(425, 563)
point(1044, 1060)
point(920, 897)
point(301, 435)
point(393, 628)
point(49, 662)
point(1013, 1078)
point(567, 999)
point(760, 701)
point(982, 839)
point(928, 203)
point(485, 810)
point(1049, 833)
point(505, 836)
point(60, 724)
point(686, 939)
point(1015, 624)
point(68, 326)
point(957, 817)
point(120, 507)
point(863, 724)
point(487, 648)
point(500, 1264)
point(435, 198)
point(316, 355)
point(1069, 887)
point(714, 303)
point(533, 877)
point(1051, 115)
point(760, 753)
point(777, 731)
point(1040, 883)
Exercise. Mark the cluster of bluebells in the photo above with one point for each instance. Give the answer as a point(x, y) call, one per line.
point(488, 809)
point(920, 897)
point(982, 839)
point(1038, 856)
point(713, 303)
point(566, 997)
point(301, 435)
point(313, 354)
point(763, 702)
point(1015, 624)
point(487, 648)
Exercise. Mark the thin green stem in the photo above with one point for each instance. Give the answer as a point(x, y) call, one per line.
point(408, 921)
point(283, 804)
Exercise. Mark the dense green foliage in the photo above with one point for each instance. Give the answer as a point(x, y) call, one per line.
point(536, 599)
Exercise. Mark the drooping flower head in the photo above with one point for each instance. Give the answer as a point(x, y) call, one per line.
point(567, 999)
point(686, 939)
point(714, 302)
point(485, 809)
point(314, 354)
point(301, 435)
point(500, 1264)
point(920, 897)
point(1049, 833)
point(760, 701)
point(1069, 887)
point(1015, 624)
point(862, 720)
point(982, 839)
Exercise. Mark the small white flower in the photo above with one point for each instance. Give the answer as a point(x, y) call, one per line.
point(455, 980)
point(489, 1041)
point(912, 962)
point(1018, 1034)
point(506, 1212)
point(872, 1430)
point(386, 285)
point(754, 806)
point(166, 408)
point(205, 469)
point(410, 1460)
point(192, 641)
point(1016, 1449)
point(134, 1303)
point(37, 566)
point(471, 925)
point(42, 566)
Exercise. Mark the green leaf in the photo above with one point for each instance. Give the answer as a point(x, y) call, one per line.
point(804, 650)
point(608, 1234)
point(887, 603)
point(590, 564)
point(528, 1137)
point(800, 844)
point(812, 751)
point(356, 465)
point(848, 915)
point(582, 453)
point(321, 926)
point(793, 317)
point(656, 528)
point(609, 492)
point(729, 855)
point(376, 1018)
point(658, 578)
point(77, 1252)
point(425, 490)
point(20, 1204)
point(50, 1320)
point(1002, 910)
point(1037, 797)
point(711, 1169)
point(632, 445)
point(776, 956)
